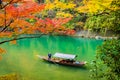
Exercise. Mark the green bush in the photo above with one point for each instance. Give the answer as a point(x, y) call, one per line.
point(108, 55)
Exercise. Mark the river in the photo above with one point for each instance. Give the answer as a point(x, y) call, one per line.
point(21, 57)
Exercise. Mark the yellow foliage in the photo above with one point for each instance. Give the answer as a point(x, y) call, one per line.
point(63, 14)
point(80, 24)
point(49, 6)
point(12, 76)
point(0, 57)
point(47, 1)
point(59, 5)
point(94, 6)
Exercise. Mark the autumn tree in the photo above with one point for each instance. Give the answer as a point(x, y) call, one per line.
point(102, 15)
point(19, 18)
point(12, 18)
point(26, 13)
point(64, 9)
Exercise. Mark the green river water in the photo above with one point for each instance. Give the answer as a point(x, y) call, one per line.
point(21, 58)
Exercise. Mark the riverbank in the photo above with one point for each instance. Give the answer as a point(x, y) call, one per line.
point(87, 34)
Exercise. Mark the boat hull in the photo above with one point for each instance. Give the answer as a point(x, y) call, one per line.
point(60, 62)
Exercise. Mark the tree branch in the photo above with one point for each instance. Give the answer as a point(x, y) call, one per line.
point(102, 13)
point(7, 4)
point(37, 36)
point(1, 7)
point(6, 26)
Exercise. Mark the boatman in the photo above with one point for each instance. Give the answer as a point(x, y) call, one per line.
point(49, 56)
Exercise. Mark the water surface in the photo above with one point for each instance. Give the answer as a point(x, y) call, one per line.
point(21, 58)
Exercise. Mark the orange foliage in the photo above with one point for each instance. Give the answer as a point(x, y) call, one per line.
point(13, 20)
point(24, 9)
point(13, 42)
point(54, 26)
point(2, 19)
point(16, 17)
point(2, 51)
point(5, 34)
point(11, 0)
point(27, 10)
point(16, 1)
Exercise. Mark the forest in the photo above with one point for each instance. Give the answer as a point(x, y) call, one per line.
point(20, 19)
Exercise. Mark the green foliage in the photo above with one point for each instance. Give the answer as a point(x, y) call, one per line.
point(109, 55)
point(105, 21)
point(31, 20)
point(108, 19)
point(77, 21)
point(97, 71)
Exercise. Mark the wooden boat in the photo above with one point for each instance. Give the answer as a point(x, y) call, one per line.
point(63, 59)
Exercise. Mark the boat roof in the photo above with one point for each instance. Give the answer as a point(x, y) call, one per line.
point(64, 56)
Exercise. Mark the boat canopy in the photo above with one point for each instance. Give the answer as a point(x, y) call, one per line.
point(65, 56)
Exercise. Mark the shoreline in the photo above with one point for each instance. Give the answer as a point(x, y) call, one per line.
point(85, 34)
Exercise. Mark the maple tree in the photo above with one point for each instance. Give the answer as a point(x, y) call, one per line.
point(18, 17)
point(15, 15)
point(19, 13)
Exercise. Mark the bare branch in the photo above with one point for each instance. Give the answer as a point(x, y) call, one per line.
point(7, 4)
point(35, 36)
